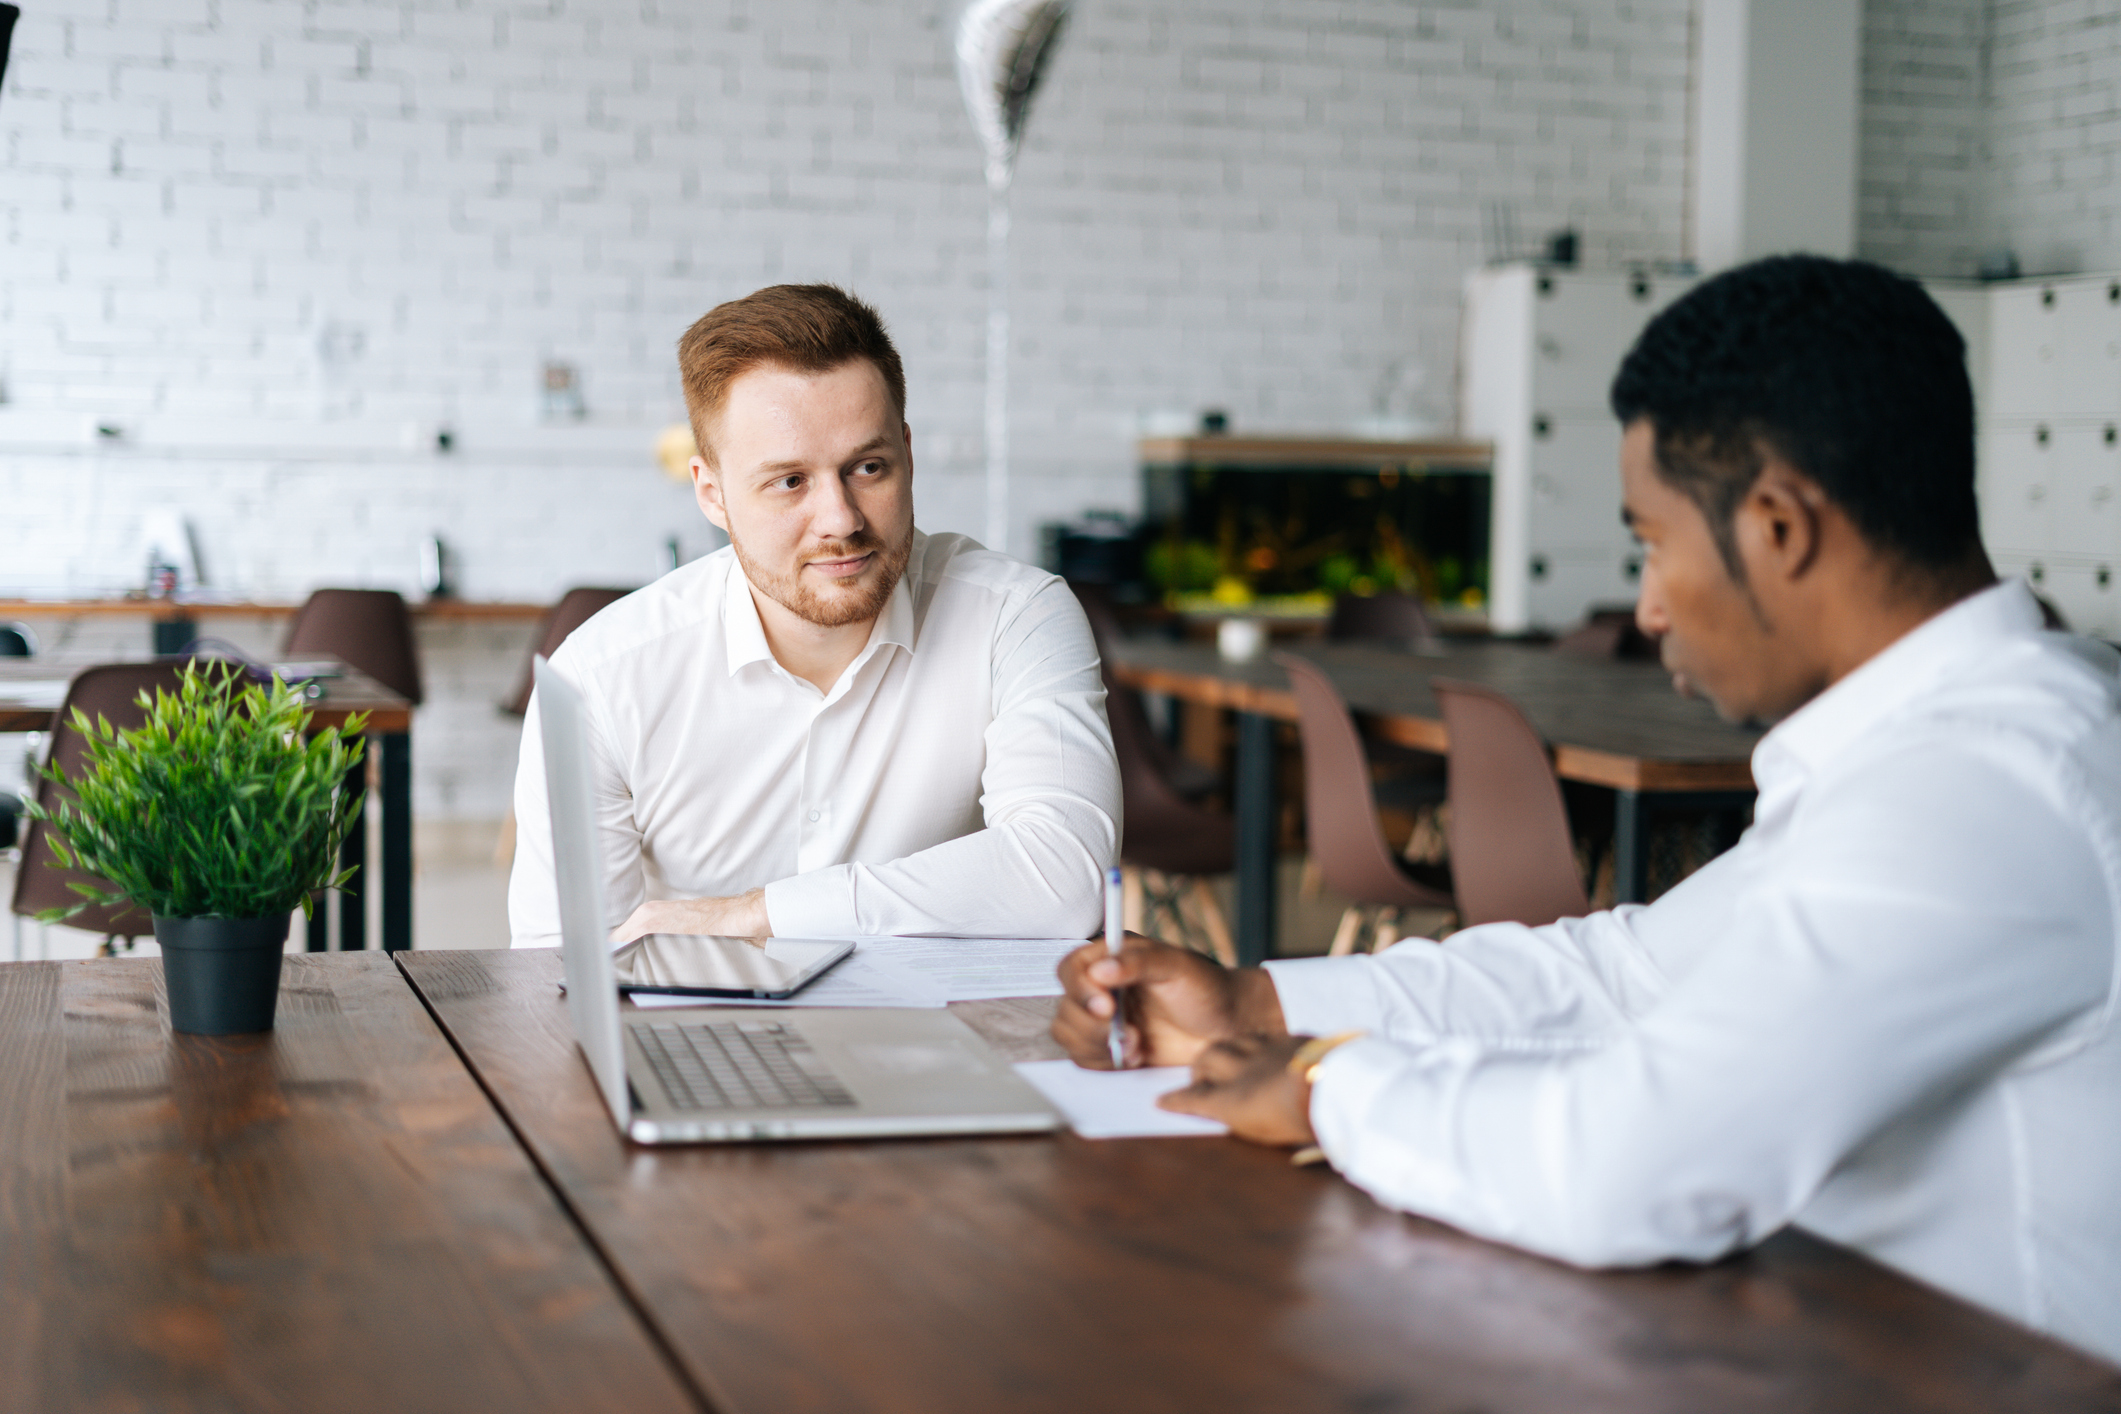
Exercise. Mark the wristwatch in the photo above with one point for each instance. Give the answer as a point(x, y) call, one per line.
point(1312, 1053)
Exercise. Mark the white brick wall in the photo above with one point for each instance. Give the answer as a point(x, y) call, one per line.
point(1260, 206)
point(2057, 133)
point(1923, 161)
point(1992, 124)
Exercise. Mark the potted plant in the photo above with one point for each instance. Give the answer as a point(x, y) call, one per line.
point(219, 818)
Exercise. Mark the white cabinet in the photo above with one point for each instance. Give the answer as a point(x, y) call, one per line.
point(2048, 459)
point(2016, 475)
point(1538, 354)
point(2055, 350)
point(2087, 474)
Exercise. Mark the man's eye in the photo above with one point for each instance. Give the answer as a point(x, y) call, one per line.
point(870, 469)
point(790, 483)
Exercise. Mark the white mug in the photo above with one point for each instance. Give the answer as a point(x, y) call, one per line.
point(1240, 640)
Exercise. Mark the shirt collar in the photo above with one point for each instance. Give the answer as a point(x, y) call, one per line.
point(741, 628)
point(746, 636)
point(1904, 671)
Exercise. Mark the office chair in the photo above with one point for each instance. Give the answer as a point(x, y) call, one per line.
point(1512, 857)
point(1340, 817)
point(576, 607)
point(1188, 777)
point(1388, 620)
point(367, 629)
point(1169, 847)
point(110, 691)
point(16, 641)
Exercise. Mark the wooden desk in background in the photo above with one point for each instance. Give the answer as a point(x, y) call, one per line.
point(1050, 1273)
point(1612, 724)
point(174, 623)
point(389, 729)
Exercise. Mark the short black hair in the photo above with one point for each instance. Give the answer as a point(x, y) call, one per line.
point(1849, 372)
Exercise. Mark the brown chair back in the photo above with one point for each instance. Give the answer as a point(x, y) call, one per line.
point(1340, 814)
point(109, 691)
point(1389, 619)
point(364, 628)
point(1511, 855)
point(576, 607)
point(1160, 829)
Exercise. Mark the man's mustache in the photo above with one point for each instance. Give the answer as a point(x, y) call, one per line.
point(862, 543)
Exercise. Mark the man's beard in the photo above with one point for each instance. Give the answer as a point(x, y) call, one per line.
point(832, 610)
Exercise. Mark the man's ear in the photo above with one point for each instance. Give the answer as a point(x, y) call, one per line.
point(707, 489)
point(1781, 523)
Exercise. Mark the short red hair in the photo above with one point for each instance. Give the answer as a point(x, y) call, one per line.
point(807, 328)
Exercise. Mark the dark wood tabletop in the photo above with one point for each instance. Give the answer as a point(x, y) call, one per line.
point(326, 1217)
point(1611, 723)
point(1053, 1273)
point(353, 691)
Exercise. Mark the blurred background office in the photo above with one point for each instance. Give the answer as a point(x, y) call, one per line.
point(345, 287)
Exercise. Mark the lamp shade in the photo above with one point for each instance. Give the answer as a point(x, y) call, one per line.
point(1003, 47)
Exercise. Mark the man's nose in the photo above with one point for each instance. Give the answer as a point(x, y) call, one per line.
point(833, 513)
point(1650, 615)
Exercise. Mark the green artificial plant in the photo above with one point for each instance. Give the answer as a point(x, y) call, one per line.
point(216, 807)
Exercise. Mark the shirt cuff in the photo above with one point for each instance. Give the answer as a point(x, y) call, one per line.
point(819, 904)
point(1320, 995)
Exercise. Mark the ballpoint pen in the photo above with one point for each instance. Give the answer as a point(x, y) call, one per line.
point(1115, 932)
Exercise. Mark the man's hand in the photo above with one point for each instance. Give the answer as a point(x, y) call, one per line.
point(1176, 1002)
point(1244, 1081)
point(743, 916)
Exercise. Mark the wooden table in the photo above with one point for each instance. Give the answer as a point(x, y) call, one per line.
point(174, 623)
point(1612, 724)
point(389, 727)
point(326, 1217)
point(1049, 1273)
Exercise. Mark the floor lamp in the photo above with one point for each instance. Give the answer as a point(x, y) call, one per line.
point(1003, 47)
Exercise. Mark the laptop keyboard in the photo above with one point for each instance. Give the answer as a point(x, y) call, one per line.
point(737, 1065)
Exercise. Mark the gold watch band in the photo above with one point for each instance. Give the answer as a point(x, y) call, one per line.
point(1312, 1053)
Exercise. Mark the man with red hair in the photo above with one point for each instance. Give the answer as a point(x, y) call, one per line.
point(838, 725)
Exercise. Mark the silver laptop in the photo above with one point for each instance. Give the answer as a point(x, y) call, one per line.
point(686, 1076)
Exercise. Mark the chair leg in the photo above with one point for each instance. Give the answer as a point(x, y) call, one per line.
point(1313, 881)
point(1344, 936)
point(1387, 930)
point(1135, 907)
point(1213, 922)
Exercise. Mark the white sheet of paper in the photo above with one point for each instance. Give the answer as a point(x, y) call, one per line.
point(1115, 1104)
point(853, 983)
point(974, 969)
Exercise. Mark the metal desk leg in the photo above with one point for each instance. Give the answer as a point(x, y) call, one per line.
point(1631, 848)
point(397, 841)
point(353, 903)
point(1256, 831)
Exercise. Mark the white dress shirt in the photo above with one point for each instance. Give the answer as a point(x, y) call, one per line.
point(958, 779)
point(1887, 1015)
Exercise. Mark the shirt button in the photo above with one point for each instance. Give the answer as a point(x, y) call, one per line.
point(813, 817)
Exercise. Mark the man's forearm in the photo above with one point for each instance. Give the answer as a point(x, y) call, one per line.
point(741, 916)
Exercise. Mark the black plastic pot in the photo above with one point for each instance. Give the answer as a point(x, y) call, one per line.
point(222, 974)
